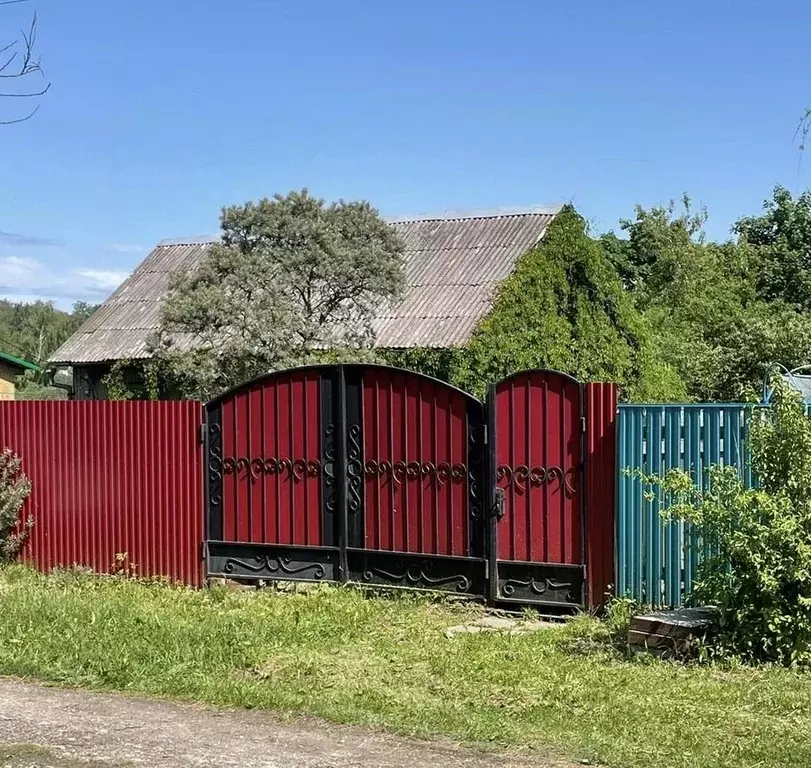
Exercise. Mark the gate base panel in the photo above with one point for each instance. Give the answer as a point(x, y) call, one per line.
point(550, 584)
point(458, 575)
point(272, 562)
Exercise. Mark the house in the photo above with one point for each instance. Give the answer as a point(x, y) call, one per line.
point(453, 264)
point(10, 368)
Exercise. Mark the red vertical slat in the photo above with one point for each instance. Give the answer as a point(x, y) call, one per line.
point(312, 428)
point(399, 488)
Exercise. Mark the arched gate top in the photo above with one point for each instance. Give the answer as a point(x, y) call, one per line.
point(326, 367)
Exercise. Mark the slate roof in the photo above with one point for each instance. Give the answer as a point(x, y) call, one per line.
point(454, 262)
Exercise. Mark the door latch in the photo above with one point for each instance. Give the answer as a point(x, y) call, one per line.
point(498, 504)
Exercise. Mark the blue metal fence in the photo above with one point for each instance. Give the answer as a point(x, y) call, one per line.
point(656, 558)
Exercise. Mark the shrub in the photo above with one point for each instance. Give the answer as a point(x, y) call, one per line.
point(14, 490)
point(759, 572)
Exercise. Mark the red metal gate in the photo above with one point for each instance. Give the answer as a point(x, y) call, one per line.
point(378, 475)
point(538, 535)
point(348, 473)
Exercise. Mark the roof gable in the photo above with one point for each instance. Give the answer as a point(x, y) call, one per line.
point(453, 264)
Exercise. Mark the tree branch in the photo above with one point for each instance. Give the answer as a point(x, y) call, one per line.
point(20, 64)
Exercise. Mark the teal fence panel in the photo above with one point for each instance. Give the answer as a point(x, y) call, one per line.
point(657, 559)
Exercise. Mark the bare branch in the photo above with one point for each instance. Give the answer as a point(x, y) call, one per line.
point(803, 129)
point(21, 63)
point(26, 95)
point(21, 119)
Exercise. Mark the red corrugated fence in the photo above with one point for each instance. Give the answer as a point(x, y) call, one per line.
point(601, 473)
point(110, 478)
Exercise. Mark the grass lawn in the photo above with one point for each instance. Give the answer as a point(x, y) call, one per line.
point(386, 662)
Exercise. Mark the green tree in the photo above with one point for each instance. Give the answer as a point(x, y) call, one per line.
point(564, 308)
point(294, 280)
point(711, 320)
point(782, 237)
point(34, 331)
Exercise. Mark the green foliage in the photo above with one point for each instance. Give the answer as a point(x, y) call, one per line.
point(14, 490)
point(137, 380)
point(292, 276)
point(34, 391)
point(782, 236)
point(712, 322)
point(564, 308)
point(439, 363)
point(34, 331)
point(759, 574)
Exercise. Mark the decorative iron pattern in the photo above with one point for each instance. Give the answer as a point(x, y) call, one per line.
point(298, 469)
point(539, 587)
point(421, 573)
point(215, 464)
point(214, 482)
point(411, 470)
point(541, 582)
point(273, 565)
point(328, 469)
point(522, 476)
point(354, 469)
point(475, 451)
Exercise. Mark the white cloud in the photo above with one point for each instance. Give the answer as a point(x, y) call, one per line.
point(126, 248)
point(25, 279)
point(103, 279)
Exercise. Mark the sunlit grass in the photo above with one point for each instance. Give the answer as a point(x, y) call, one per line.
point(348, 657)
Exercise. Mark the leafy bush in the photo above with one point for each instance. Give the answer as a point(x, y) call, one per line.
point(14, 490)
point(759, 573)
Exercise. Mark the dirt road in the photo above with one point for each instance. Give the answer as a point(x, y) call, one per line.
point(44, 727)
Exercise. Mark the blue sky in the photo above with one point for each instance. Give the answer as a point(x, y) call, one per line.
point(162, 111)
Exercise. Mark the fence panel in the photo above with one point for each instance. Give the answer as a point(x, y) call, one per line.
point(110, 478)
point(600, 455)
point(657, 559)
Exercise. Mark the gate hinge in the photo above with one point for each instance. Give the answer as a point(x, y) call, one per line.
point(484, 433)
point(202, 433)
point(583, 424)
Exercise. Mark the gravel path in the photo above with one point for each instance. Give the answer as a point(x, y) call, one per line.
point(43, 727)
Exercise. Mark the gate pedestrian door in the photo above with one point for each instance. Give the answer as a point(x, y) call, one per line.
point(347, 473)
point(537, 535)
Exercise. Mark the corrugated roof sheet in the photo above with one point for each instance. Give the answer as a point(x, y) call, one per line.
point(454, 262)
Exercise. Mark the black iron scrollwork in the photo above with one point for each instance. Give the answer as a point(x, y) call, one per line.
point(475, 459)
point(298, 469)
point(330, 488)
point(215, 464)
point(411, 470)
point(522, 476)
point(539, 588)
point(274, 565)
point(354, 469)
point(417, 574)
